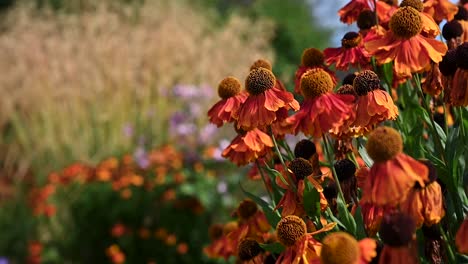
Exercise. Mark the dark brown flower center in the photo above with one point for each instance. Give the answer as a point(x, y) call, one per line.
point(452, 30)
point(301, 168)
point(248, 249)
point(345, 169)
point(315, 82)
point(366, 19)
point(349, 79)
point(346, 89)
point(397, 230)
point(384, 143)
point(351, 40)
point(247, 209)
point(304, 149)
point(448, 65)
point(290, 229)
point(406, 22)
point(462, 14)
point(366, 81)
point(259, 80)
point(462, 56)
point(312, 57)
point(229, 87)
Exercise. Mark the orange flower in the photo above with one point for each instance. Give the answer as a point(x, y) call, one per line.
point(398, 232)
point(321, 110)
point(393, 174)
point(247, 147)
point(229, 89)
point(459, 90)
point(264, 100)
point(301, 247)
point(261, 63)
point(311, 58)
point(351, 53)
point(222, 245)
point(292, 201)
point(433, 83)
point(403, 44)
point(341, 247)
point(426, 204)
point(440, 9)
point(429, 27)
point(372, 216)
point(373, 104)
point(461, 240)
point(252, 223)
point(350, 12)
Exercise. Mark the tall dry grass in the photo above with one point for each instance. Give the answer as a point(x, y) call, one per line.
point(69, 83)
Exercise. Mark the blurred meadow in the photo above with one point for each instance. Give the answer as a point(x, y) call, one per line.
point(105, 149)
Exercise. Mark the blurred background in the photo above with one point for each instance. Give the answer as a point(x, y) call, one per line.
point(106, 155)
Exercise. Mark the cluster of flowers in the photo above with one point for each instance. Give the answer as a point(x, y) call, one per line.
point(159, 182)
point(394, 194)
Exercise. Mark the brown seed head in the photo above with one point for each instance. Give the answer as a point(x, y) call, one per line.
point(365, 82)
point(290, 229)
point(384, 143)
point(406, 22)
point(351, 40)
point(416, 4)
point(339, 248)
point(229, 87)
point(247, 209)
point(312, 57)
point(315, 82)
point(259, 80)
point(261, 63)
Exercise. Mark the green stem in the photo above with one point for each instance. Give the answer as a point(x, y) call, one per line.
point(330, 161)
point(293, 184)
point(352, 157)
point(448, 246)
point(437, 140)
point(264, 182)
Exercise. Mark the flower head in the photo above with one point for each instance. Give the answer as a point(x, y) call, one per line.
point(342, 248)
point(351, 53)
point(403, 44)
point(393, 174)
point(229, 90)
point(261, 63)
point(248, 249)
point(266, 103)
point(290, 230)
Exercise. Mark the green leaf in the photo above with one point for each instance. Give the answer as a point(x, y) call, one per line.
point(345, 216)
point(276, 248)
point(272, 215)
point(311, 200)
point(363, 152)
point(360, 232)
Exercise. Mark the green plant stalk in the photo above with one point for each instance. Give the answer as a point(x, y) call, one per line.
point(335, 176)
point(438, 140)
point(293, 185)
point(264, 182)
point(448, 245)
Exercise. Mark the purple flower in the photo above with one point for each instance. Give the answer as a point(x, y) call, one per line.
point(207, 133)
point(141, 158)
point(186, 92)
point(179, 125)
point(222, 187)
point(217, 154)
point(4, 260)
point(127, 131)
